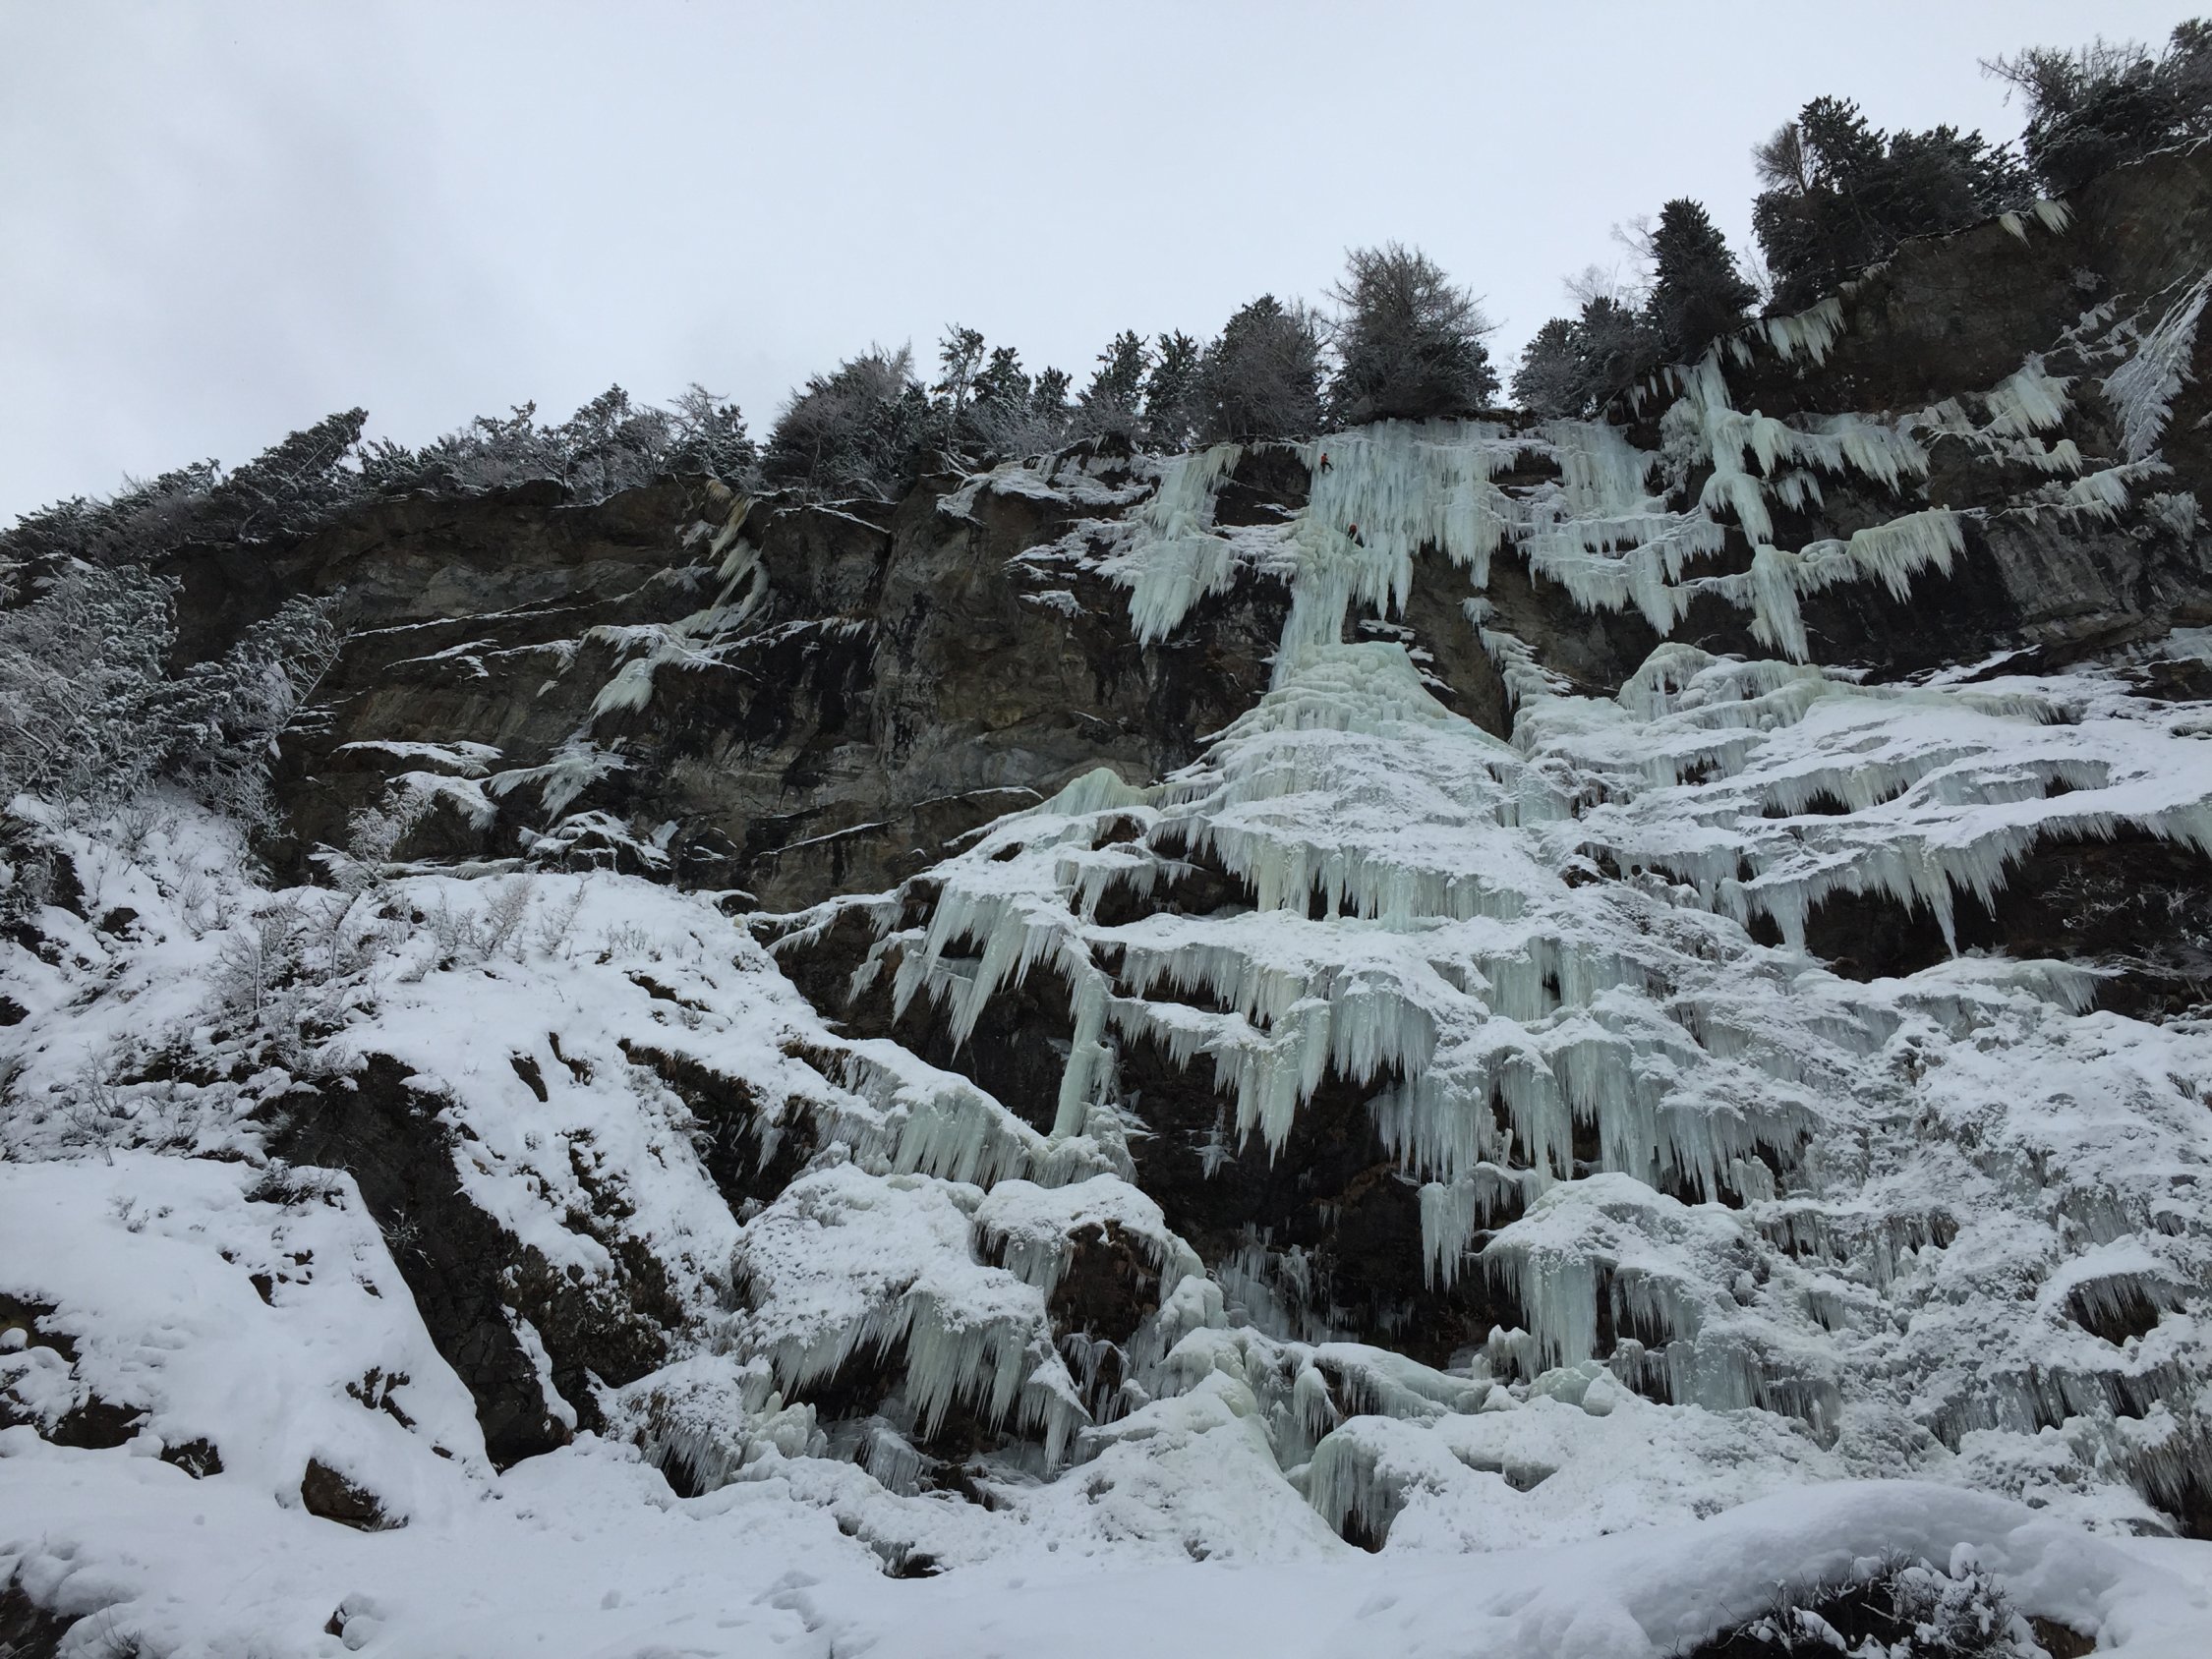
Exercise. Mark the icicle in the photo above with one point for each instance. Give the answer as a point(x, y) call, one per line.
point(1808, 333)
point(1175, 557)
point(2142, 388)
point(2028, 400)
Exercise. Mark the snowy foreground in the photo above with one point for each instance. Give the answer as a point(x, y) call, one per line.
point(1768, 1237)
point(585, 1553)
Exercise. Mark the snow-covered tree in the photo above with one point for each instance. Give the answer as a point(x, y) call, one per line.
point(1409, 341)
point(856, 432)
point(1002, 383)
point(98, 725)
point(1010, 415)
point(1113, 403)
point(708, 438)
point(1262, 378)
point(292, 487)
point(221, 719)
point(609, 444)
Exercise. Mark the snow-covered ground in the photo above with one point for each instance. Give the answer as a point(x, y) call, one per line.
point(585, 1553)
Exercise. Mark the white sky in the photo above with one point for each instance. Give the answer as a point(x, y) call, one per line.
point(218, 222)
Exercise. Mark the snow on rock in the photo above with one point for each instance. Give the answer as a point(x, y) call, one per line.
point(251, 1324)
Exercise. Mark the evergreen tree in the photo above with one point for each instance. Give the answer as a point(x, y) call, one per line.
point(960, 358)
point(1409, 342)
point(1048, 398)
point(1262, 378)
point(1111, 403)
point(1841, 194)
point(1574, 367)
point(2109, 102)
point(1010, 415)
point(1549, 378)
point(1169, 392)
point(1001, 384)
point(291, 486)
point(1697, 293)
point(609, 444)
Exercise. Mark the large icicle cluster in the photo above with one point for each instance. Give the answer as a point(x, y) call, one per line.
point(1701, 1169)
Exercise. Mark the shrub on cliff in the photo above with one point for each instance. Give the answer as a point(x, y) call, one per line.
point(2109, 102)
point(1409, 340)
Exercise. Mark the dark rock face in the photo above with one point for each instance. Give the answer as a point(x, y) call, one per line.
point(92, 1425)
point(750, 1154)
point(907, 675)
point(26, 1629)
point(2136, 907)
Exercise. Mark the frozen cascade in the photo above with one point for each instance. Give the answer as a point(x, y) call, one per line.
point(2142, 388)
point(1687, 1162)
point(1176, 557)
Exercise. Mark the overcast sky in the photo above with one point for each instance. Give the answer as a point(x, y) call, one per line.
point(218, 222)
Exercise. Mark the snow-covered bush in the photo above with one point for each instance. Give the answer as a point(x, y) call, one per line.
point(857, 432)
point(1901, 1609)
point(1409, 341)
